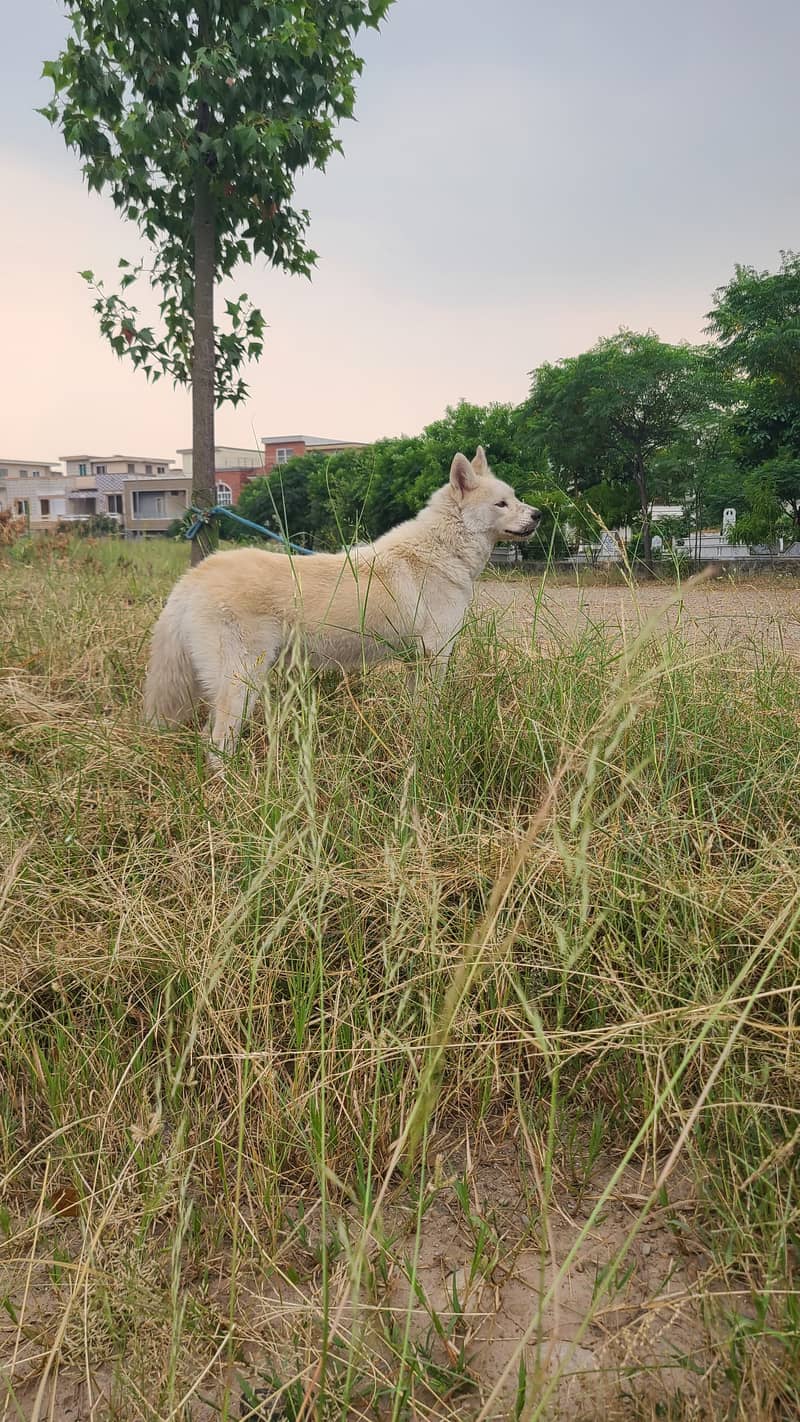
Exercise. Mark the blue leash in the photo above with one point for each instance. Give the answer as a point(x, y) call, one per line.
point(204, 516)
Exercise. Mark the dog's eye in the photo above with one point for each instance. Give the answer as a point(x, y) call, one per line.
point(503, 504)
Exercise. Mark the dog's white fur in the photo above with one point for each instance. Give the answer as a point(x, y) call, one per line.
point(228, 619)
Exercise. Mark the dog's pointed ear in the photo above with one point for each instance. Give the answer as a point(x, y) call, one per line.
point(462, 475)
point(480, 463)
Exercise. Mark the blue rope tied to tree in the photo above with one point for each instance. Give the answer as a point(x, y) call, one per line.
point(204, 517)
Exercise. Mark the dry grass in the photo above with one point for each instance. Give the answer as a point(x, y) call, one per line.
point(443, 1064)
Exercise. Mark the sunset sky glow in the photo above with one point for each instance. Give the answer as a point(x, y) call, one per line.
point(523, 178)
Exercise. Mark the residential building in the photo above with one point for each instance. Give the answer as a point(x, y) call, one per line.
point(230, 482)
point(228, 456)
point(125, 488)
point(34, 490)
point(117, 480)
point(150, 504)
point(26, 469)
point(279, 449)
point(118, 465)
point(234, 467)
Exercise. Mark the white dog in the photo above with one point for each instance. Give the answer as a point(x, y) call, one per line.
point(228, 619)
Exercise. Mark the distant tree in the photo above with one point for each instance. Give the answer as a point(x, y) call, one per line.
point(607, 505)
point(197, 116)
point(765, 520)
point(756, 321)
point(463, 427)
point(702, 469)
point(331, 499)
point(280, 501)
point(604, 416)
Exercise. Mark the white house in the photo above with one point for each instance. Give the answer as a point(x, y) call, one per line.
point(144, 494)
point(90, 465)
point(227, 456)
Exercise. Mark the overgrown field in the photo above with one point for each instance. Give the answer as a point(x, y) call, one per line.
point(442, 1063)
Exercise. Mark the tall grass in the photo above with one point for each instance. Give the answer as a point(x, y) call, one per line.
point(320, 1091)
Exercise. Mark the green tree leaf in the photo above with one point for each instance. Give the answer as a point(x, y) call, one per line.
point(196, 117)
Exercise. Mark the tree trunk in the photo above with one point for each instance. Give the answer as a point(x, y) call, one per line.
point(203, 392)
point(203, 353)
point(644, 503)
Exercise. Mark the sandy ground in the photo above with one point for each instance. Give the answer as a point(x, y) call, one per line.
point(609, 1311)
point(720, 612)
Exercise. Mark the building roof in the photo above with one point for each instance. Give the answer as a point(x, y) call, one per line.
point(35, 463)
point(112, 458)
point(239, 448)
point(169, 475)
point(310, 440)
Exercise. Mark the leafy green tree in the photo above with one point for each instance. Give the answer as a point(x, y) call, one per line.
point(330, 500)
point(606, 505)
point(766, 519)
point(756, 321)
point(196, 116)
point(360, 493)
point(604, 416)
point(782, 475)
point(702, 469)
point(280, 501)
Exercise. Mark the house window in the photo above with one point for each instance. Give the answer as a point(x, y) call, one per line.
point(131, 468)
point(44, 508)
point(23, 474)
point(161, 469)
point(147, 505)
point(98, 468)
point(3, 473)
point(148, 468)
point(35, 473)
point(224, 495)
point(114, 502)
point(82, 470)
point(21, 508)
point(282, 456)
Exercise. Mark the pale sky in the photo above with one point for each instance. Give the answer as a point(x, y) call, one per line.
point(525, 176)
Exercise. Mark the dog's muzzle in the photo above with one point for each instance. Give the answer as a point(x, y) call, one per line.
point(526, 532)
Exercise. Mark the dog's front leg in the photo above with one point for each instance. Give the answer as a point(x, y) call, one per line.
point(436, 665)
point(429, 665)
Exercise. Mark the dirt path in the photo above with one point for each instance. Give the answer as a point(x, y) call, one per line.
point(720, 612)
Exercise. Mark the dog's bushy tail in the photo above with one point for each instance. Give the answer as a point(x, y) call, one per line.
point(171, 689)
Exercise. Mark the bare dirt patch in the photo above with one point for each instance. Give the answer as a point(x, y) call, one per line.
point(476, 1289)
point(721, 613)
point(622, 1322)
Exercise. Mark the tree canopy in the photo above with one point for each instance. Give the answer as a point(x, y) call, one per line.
point(196, 116)
point(332, 499)
point(756, 321)
point(605, 415)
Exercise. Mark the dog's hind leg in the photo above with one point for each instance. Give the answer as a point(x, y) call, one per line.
point(230, 711)
point(238, 690)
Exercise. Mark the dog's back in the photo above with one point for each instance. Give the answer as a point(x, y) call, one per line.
point(228, 619)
